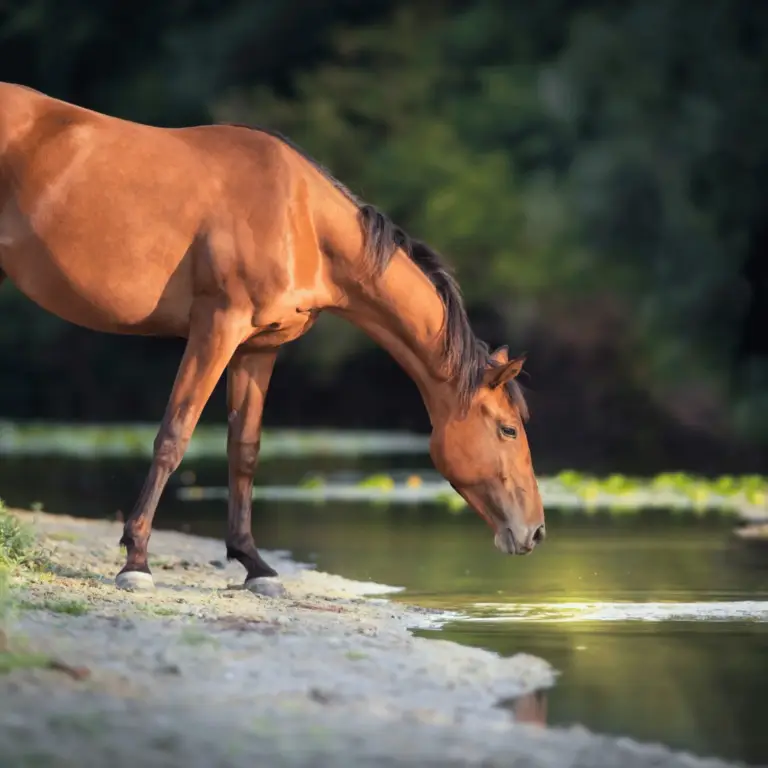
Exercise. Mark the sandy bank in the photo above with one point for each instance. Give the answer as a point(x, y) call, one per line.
point(199, 674)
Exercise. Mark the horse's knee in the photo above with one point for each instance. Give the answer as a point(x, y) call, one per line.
point(169, 451)
point(244, 457)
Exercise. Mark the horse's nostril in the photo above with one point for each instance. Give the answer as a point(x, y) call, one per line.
point(539, 534)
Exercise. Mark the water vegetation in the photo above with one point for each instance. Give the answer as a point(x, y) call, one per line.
point(91, 441)
point(746, 496)
point(743, 496)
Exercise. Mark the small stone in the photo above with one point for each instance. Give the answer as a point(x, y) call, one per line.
point(320, 696)
point(169, 669)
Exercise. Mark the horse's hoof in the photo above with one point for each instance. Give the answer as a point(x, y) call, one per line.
point(267, 586)
point(135, 581)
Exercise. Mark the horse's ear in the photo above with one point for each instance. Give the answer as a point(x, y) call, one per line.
point(501, 355)
point(504, 372)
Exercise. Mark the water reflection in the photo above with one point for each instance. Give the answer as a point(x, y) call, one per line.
point(695, 684)
point(737, 610)
point(530, 708)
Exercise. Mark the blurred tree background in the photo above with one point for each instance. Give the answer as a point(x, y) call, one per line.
point(597, 173)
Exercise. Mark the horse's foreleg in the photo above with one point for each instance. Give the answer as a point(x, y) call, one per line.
point(248, 378)
point(214, 335)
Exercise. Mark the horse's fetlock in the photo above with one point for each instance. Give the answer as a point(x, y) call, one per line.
point(239, 544)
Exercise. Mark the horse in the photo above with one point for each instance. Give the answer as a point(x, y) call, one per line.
point(235, 240)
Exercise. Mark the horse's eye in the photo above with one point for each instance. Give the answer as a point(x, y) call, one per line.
point(507, 431)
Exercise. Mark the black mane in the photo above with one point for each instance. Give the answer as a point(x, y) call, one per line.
point(466, 355)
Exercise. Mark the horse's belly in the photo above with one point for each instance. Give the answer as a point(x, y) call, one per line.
point(92, 294)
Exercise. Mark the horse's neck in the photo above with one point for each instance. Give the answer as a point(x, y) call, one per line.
point(402, 311)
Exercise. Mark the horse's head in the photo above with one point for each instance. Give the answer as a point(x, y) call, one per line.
point(483, 452)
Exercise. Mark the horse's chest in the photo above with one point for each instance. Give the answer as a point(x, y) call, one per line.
point(275, 329)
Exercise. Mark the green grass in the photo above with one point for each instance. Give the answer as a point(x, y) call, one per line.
point(5, 602)
point(157, 610)
point(70, 537)
point(18, 550)
point(12, 660)
point(70, 607)
point(84, 723)
point(16, 547)
point(17, 541)
point(195, 637)
point(12, 657)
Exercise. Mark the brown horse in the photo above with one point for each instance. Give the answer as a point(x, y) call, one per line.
point(232, 238)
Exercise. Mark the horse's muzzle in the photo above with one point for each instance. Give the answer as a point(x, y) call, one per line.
point(519, 542)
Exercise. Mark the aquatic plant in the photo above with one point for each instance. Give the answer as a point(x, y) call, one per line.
point(208, 441)
point(616, 494)
point(312, 481)
point(381, 481)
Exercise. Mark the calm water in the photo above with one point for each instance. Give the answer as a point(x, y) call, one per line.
point(657, 626)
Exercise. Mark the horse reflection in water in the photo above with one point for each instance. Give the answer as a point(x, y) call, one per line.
point(530, 708)
point(233, 239)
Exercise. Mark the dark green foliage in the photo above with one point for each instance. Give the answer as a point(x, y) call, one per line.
point(595, 171)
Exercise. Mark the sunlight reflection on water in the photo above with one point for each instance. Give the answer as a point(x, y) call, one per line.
point(744, 610)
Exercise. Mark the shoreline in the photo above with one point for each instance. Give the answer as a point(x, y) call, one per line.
point(203, 673)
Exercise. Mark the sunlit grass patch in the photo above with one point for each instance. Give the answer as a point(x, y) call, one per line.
point(70, 607)
point(17, 541)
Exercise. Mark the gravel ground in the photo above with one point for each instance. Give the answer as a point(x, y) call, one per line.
point(202, 673)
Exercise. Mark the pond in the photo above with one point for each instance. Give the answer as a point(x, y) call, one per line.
point(657, 623)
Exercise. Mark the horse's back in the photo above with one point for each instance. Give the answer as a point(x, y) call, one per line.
point(112, 224)
point(97, 214)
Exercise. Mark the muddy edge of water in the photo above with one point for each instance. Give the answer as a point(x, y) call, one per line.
point(201, 674)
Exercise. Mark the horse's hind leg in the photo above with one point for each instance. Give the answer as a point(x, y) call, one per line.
point(248, 378)
point(213, 337)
